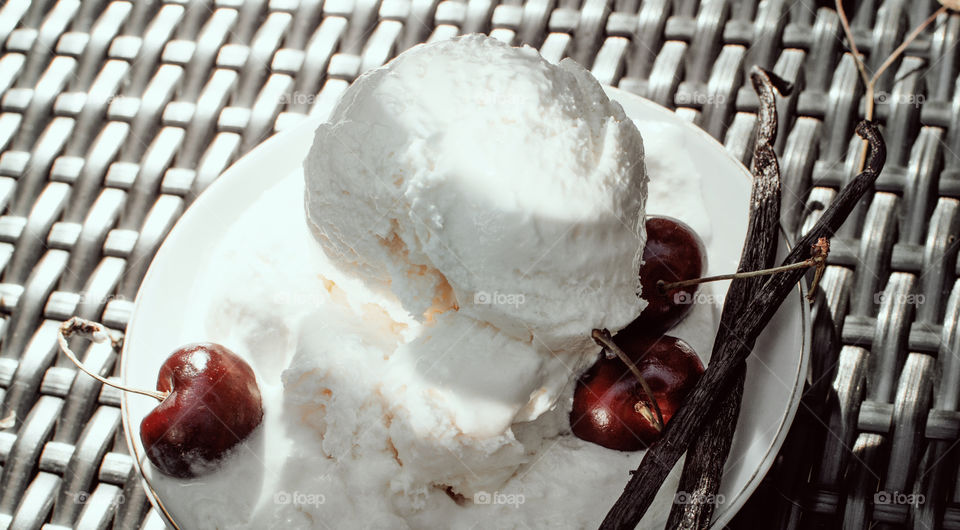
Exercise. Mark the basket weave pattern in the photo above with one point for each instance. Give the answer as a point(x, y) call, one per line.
point(114, 115)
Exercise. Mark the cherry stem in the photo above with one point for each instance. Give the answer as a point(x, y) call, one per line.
point(605, 340)
point(97, 333)
point(818, 259)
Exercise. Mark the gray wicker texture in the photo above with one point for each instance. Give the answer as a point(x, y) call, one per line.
point(114, 115)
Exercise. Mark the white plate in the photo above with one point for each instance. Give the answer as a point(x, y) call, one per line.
point(776, 368)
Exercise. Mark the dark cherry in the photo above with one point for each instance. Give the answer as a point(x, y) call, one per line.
point(608, 402)
point(213, 404)
point(673, 252)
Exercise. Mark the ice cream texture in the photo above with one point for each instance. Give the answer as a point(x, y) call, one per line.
point(472, 176)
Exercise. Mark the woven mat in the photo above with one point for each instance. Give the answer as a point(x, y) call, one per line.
point(115, 115)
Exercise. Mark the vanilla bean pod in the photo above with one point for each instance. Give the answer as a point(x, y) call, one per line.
point(696, 496)
point(691, 418)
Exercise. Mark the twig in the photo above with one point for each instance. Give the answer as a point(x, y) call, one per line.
point(805, 264)
point(870, 81)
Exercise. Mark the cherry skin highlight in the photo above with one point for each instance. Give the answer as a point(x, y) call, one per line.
point(213, 404)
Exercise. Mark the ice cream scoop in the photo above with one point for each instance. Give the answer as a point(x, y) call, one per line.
point(473, 176)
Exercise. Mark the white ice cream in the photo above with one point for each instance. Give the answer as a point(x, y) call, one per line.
point(500, 199)
point(469, 174)
point(479, 211)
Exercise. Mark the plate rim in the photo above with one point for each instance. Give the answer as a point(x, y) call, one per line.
point(307, 126)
